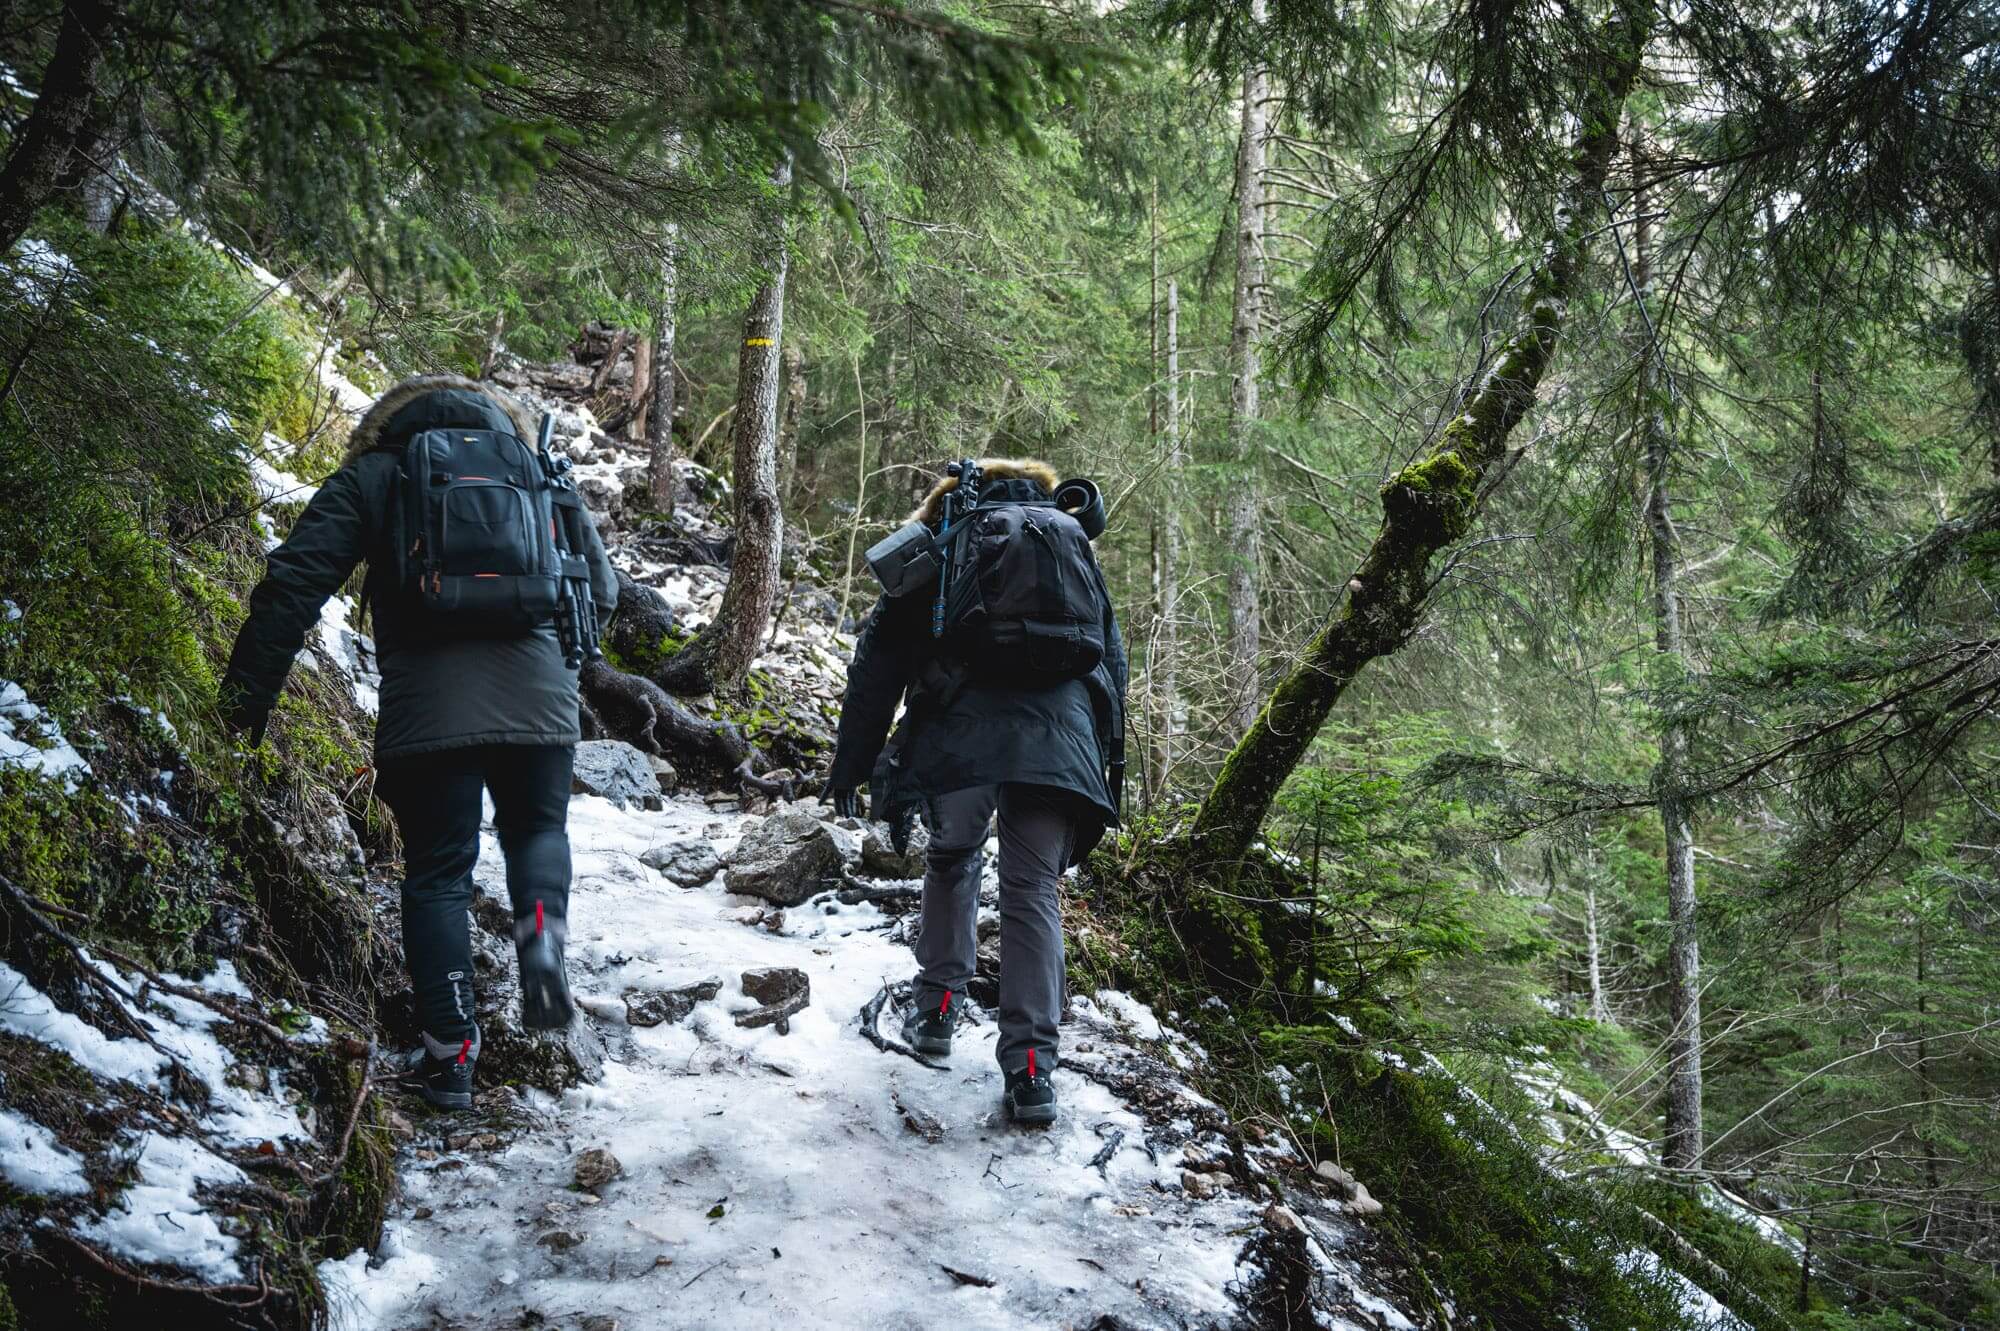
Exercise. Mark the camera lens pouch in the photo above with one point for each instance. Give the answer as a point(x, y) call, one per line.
point(1080, 499)
point(906, 559)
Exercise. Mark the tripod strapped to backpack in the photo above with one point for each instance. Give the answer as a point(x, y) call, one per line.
point(576, 609)
point(960, 500)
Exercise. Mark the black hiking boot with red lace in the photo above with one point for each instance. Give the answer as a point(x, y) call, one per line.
point(1031, 1096)
point(442, 1072)
point(929, 1026)
point(538, 944)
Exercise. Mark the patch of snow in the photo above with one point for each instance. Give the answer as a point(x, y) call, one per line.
point(21, 725)
point(1736, 1209)
point(160, 1220)
point(27, 1011)
point(274, 486)
point(1131, 1012)
point(1700, 1308)
point(32, 1160)
point(40, 271)
point(363, 1291)
point(344, 647)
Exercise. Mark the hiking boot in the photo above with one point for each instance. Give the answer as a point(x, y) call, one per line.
point(928, 1028)
point(545, 1001)
point(1031, 1096)
point(442, 1073)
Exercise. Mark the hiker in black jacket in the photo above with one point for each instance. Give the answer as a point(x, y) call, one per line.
point(461, 713)
point(1044, 755)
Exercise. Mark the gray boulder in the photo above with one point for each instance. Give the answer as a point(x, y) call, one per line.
point(784, 858)
point(686, 863)
point(618, 772)
point(880, 860)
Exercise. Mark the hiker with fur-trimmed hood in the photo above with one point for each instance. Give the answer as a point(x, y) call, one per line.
point(999, 715)
point(476, 695)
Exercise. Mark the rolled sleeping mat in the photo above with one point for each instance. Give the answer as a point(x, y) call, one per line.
point(1080, 499)
point(905, 559)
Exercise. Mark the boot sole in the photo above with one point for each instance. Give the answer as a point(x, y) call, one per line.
point(446, 1099)
point(937, 1047)
point(545, 1004)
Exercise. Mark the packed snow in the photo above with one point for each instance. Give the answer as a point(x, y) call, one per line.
point(763, 1171)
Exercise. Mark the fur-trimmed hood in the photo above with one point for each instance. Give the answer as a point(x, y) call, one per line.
point(990, 469)
point(369, 430)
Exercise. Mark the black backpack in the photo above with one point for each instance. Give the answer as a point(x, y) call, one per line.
point(1024, 601)
point(478, 554)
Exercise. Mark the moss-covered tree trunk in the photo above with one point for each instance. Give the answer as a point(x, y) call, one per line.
point(1429, 504)
point(719, 660)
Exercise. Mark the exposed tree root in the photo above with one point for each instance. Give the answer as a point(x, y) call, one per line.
point(871, 1015)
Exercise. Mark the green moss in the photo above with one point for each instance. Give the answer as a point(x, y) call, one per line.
point(645, 658)
point(10, 1320)
point(1435, 497)
point(1471, 1203)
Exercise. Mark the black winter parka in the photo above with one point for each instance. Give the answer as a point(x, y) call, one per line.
point(435, 695)
point(985, 734)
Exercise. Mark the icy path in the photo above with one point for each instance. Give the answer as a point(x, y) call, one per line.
point(787, 1180)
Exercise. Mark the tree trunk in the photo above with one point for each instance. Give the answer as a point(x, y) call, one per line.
point(42, 152)
point(1599, 1010)
point(1426, 506)
point(719, 660)
point(642, 387)
point(1166, 640)
point(1245, 365)
point(660, 411)
point(1682, 1148)
point(494, 345)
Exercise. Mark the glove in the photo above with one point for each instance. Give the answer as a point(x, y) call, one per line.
point(245, 718)
point(845, 801)
point(899, 830)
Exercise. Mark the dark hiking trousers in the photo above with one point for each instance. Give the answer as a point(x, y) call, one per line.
point(435, 797)
point(1037, 824)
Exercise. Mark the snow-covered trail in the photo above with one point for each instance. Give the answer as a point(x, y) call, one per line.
point(787, 1179)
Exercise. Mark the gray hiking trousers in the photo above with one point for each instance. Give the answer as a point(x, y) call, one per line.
point(1036, 830)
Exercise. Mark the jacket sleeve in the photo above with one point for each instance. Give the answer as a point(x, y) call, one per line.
point(328, 541)
point(885, 662)
point(1116, 676)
